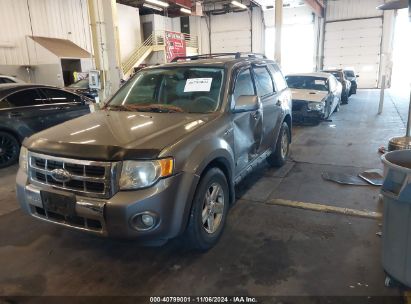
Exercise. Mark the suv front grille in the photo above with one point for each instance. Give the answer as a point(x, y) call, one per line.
point(89, 178)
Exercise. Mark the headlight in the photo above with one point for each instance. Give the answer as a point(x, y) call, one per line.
point(23, 158)
point(142, 174)
point(316, 106)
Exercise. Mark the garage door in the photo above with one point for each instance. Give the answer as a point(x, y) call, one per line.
point(231, 33)
point(355, 43)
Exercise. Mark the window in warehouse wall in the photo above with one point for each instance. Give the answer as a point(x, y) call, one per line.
point(401, 76)
point(297, 53)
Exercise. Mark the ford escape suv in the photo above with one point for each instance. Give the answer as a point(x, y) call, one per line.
point(162, 157)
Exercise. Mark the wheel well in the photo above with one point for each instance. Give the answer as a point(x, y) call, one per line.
point(222, 164)
point(288, 121)
point(12, 133)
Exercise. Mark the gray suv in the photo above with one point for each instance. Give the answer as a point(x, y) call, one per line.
point(162, 157)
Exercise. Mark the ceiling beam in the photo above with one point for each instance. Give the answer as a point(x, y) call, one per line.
point(317, 6)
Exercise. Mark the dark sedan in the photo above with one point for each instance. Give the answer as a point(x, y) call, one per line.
point(27, 109)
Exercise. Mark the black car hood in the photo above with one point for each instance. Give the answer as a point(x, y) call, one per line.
point(116, 135)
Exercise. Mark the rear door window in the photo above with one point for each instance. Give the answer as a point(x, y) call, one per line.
point(264, 81)
point(25, 98)
point(60, 96)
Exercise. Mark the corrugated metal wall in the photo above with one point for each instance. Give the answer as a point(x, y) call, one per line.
point(65, 19)
point(352, 9)
point(237, 32)
point(353, 35)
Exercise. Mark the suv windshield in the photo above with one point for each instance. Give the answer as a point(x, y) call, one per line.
point(307, 83)
point(81, 84)
point(178, 89)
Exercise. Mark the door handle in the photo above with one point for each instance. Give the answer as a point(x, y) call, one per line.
point(255, 115)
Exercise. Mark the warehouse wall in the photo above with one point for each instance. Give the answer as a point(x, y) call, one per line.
point(65, 19)
point(352, 9)
point(129, 29)
point(161, 23)
point(360, 36)
point(232, 32)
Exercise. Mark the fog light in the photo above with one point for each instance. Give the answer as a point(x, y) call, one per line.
point(143, 221)
point(147, 220)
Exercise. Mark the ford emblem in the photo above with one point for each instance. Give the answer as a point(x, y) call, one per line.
point(61, 175)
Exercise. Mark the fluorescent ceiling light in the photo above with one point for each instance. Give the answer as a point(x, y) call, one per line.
point(158, 2)
point(236, 3)
point(153, 7)
point(185, 10)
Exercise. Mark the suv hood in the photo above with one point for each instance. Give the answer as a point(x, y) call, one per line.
point(308, 95)
point(116, 135)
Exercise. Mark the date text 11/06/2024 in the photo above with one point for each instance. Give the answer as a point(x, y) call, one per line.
point(234, 299)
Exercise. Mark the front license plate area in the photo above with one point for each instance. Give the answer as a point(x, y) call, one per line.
point(59, 203)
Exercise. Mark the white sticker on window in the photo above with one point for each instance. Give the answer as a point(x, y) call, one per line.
point(198, 85)
point(320, 82)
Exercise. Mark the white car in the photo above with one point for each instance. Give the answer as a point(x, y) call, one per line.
point(315, 96)
point(9, 79)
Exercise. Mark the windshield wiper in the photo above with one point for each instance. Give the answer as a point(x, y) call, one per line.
point(117, 108)
point(157, 108)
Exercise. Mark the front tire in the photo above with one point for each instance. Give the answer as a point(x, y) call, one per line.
point(9, 149)
point(279, 157)
point(209, 211)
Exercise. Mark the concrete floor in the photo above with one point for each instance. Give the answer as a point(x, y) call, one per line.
point(266, 250)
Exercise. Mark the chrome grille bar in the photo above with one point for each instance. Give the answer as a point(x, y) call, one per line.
point(89, 178)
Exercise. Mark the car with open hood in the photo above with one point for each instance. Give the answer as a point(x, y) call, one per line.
point(162, 157)
point(315, 96)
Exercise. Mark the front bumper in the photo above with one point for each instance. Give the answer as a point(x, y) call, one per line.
point(169, 199)
point(302, 114)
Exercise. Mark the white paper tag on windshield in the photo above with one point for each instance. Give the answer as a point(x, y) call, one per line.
point(320, 82)
point(198, 85)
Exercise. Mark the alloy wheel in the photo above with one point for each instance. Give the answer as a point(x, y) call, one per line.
point(213, 208)
point(8, 149)
point(284, 144)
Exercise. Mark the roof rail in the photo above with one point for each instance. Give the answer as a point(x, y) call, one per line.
point(215, 55)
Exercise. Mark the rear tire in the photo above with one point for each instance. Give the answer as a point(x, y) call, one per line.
point(209, 211)
point(279, 157)
point(9, 149)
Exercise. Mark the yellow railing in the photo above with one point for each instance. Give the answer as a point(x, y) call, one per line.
point(155, 39)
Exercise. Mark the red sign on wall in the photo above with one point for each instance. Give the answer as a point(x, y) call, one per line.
point(175, 45)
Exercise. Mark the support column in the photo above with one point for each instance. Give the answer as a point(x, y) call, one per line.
point(278, 29)
point(104, 29)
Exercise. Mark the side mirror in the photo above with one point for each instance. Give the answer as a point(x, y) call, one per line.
point(247, 103)
point(357, 76)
